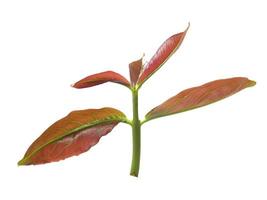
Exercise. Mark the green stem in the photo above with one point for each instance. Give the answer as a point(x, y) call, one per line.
point(136, 130)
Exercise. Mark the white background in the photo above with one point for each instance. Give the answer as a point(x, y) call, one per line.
point(216, 152)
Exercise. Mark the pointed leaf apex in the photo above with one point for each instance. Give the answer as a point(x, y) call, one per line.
point(143, 55)
point(188, 26)
point(251, 83)
point(21, 162)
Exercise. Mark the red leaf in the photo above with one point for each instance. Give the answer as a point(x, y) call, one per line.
point(72, 135)
point(135, 68)
point(200, 96)
point(100, 78)
point(162, 55)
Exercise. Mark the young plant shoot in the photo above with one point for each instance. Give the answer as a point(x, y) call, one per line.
point(80, 130)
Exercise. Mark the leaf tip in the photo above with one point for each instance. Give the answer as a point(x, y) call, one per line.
point(143, 55)
point(251, 83)
point(74, 85)
point(21, 162)
point(188, 26)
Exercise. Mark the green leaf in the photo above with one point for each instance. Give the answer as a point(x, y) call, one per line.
point(74, 134)
point(200, 96)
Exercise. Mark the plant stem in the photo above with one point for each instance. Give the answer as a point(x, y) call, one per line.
point(136, 130)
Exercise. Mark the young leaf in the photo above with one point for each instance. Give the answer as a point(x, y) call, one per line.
point(72, 135)
point(100, 78)
point(135, 68)
point(162, 55)
point(200, 96)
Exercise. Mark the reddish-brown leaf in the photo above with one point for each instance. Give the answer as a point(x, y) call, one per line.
point(100, 78)
point(72, 135)
point(162, 55)
point(135, 68)
point(200, 96)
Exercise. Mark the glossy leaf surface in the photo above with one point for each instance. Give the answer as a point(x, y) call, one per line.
point(72, 135)
point(200, 96)
point(135, 68)
point(162, 55)
point(100, 78)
